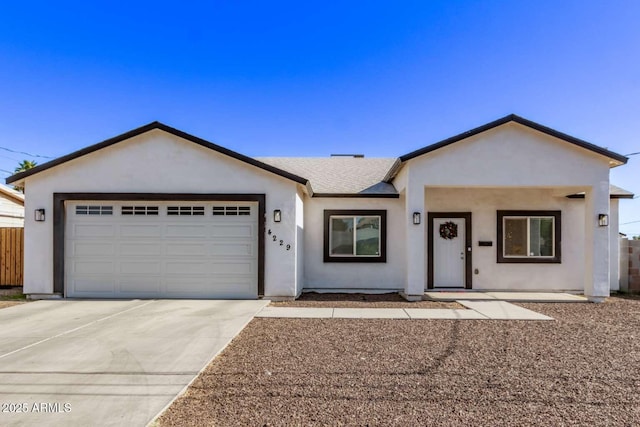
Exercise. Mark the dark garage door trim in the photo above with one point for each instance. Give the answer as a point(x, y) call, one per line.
point(59, 220)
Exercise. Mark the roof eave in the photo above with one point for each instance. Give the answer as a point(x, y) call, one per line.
point(611, 196)
point(359, 195)
point(393, 171)
point(18, 198)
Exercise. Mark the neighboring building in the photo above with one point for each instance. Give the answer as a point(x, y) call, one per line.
point(11, 207)
point(159, 213)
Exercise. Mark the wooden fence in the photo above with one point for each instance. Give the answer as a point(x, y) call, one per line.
point(11, 256)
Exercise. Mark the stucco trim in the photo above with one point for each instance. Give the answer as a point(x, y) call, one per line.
point(468, 262)
point(528, 123)
point(59, 220)
point(143, 129)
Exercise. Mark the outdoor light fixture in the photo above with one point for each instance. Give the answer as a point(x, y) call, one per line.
point(603, 220)
point(416, 218)
point(277, 215)
point(39, 215)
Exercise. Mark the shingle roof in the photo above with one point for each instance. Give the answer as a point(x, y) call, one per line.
point(335, 176)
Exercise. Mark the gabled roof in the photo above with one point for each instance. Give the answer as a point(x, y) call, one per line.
point(341, 176)
point(12, 194)
point(619, 158)
point(147, 128)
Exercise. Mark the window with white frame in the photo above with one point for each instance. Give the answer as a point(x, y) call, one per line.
point(528, 236)
point(355, 236)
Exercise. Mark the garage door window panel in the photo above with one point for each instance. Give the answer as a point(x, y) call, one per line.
point(94, 210)
point(139, 210)
point(232, 210)
point(185, 210)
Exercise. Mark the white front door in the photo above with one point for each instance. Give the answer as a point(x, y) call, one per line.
point(449, 252)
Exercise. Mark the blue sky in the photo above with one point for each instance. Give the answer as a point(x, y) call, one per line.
point(314, 78)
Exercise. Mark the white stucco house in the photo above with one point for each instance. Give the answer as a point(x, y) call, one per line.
point(11, 207)
point(159, 213)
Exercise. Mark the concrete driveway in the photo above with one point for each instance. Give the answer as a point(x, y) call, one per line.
point(73, 362)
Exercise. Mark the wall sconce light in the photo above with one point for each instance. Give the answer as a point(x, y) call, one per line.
point(38, 215)
point(603, 220)
point(416, 218)
point(277, 215)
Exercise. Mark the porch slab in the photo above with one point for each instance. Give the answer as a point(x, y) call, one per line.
point(537, 297)
point(502, 310)
point(505, 296)
point(370, 313)
point(297, 312)
point(444, 313)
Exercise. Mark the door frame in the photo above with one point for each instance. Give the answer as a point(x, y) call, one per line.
point(59, 221)
point(468, 279)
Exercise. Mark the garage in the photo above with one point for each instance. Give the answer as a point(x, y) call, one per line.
point(161, 249)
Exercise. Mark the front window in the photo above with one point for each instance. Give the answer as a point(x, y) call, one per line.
point(355, 236)
point(529, 236)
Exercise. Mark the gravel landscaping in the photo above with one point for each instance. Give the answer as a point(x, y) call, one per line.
point(342, 300)
point(582, 369)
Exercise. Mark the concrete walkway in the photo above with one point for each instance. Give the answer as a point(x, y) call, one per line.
point(476, 310)
point(479, 305)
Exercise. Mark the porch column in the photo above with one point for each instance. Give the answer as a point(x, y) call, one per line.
point(414, 202)
point(596, 278)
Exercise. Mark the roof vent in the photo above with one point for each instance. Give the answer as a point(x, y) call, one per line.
point(355, 156)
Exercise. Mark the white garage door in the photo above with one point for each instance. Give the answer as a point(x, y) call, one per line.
point(161, 249)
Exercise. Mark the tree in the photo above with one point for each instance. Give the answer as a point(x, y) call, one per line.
point(23, 166)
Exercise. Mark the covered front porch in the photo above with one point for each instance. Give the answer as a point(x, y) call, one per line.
point(502, 238)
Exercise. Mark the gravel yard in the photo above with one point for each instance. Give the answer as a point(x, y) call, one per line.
point(394, 300)
point(582, 369)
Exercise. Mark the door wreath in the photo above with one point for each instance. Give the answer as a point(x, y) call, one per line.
point(449, 230)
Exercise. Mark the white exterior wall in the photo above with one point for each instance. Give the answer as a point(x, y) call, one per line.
point(11, 212)
point(348, 275)
point(158, 162)
point(614, 246)
point(483, 204)
point(299, 242)
point(513, 156)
